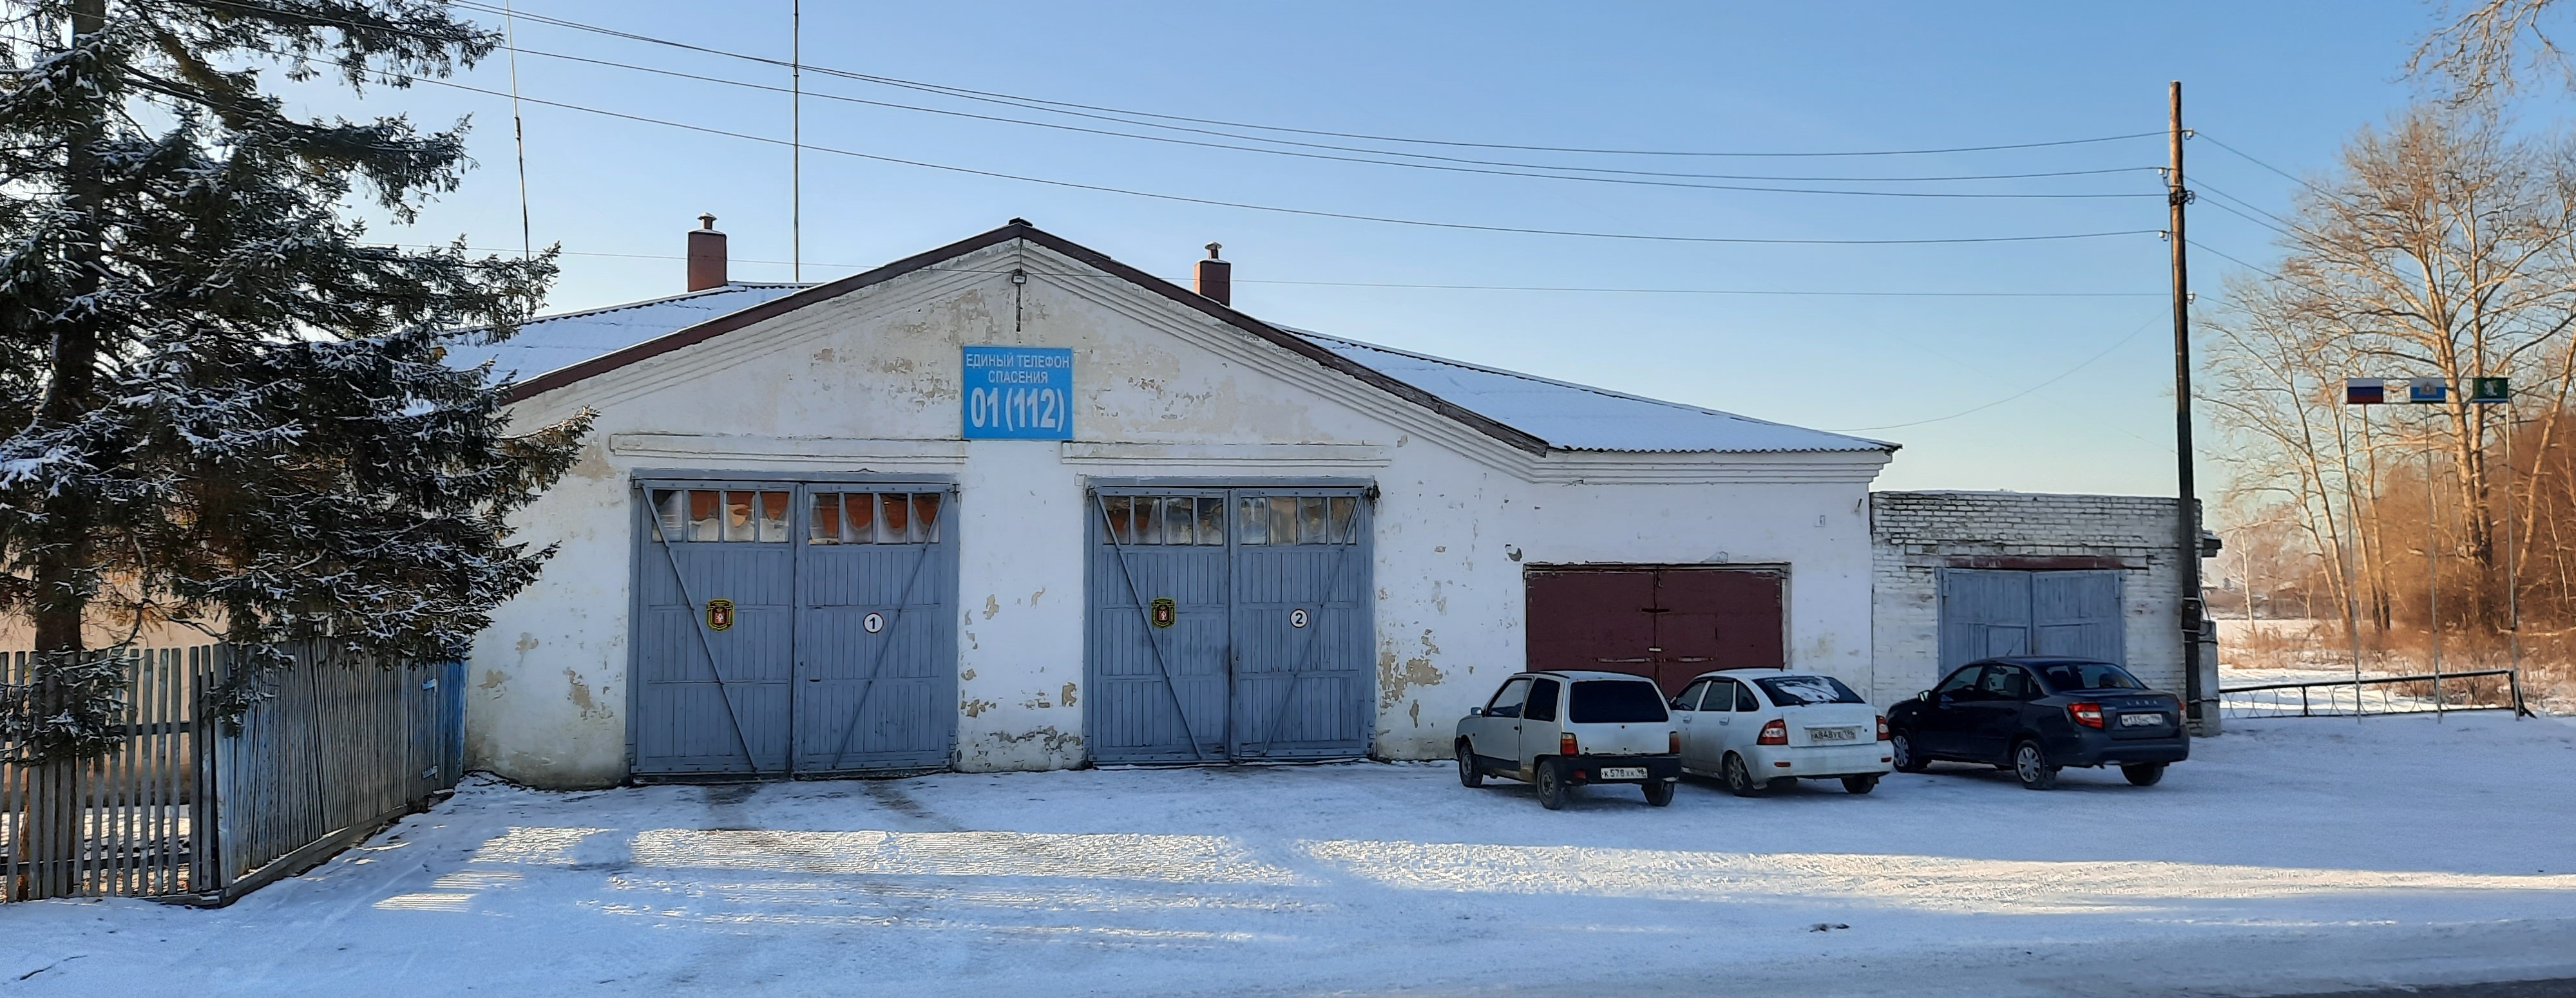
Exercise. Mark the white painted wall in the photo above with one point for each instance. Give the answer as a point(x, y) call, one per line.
point(868, 382)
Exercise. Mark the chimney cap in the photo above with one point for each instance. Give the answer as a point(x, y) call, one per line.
point(707, 220)
point(1212, 248)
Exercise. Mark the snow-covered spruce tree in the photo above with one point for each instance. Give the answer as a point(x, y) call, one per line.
point(223, 405)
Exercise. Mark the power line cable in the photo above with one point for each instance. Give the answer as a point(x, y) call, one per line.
point(1492, 168)
point(2060, 376)
point(1488, 167)
point(1247, 206)
point(961, 91)
point(1555, 288)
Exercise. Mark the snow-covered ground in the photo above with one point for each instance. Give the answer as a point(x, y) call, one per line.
point(2288, 855)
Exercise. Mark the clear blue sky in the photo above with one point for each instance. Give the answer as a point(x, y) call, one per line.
point(2286, 82)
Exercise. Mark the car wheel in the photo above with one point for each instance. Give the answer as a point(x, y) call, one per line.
point(1739, 780)
point(1552, 788)
point(1659, 793)
point(1860, 784)
point(2030, 765)
point(1902, 747)
point(1470, 775)
point(2145, 774)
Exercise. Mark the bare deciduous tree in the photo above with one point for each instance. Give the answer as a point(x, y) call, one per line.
point(2489, 48)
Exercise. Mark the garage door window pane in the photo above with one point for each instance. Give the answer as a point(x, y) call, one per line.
point(773, 517)
point(1311, 527)
point(894, 522)
point(825, 527)
point(1180, 520)
point(1283, 520)
point(1211, 521)
point(1346, 520)
point(706, 521)
point(858, 518)
point(925, 517)
point(1252, 522)
point(670, 511)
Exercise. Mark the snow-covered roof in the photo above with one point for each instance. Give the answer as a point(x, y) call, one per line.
point(553, 342)
point(1579, 417)
point(1526, 411)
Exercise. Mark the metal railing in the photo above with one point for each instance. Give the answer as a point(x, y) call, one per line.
point(2430, 693)
point(191, 808)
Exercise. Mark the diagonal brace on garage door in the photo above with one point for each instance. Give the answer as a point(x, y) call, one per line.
point(1161, 666)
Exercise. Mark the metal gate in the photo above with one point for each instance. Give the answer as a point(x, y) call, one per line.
point(1228, 623)
point(1989, 612)
point(793, 629)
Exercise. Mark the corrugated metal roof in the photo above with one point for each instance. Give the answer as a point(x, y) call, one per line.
point(1579, 417)
point(1566, 416)
point(551, 342)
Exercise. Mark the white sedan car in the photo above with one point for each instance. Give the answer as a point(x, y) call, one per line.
point(1762, 729)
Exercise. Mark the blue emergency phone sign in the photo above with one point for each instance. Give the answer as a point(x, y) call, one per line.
point(1018, 393)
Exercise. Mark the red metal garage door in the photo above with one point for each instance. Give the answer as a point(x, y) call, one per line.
point(1665, 622)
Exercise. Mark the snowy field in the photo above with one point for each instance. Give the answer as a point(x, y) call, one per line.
point(2289, 855)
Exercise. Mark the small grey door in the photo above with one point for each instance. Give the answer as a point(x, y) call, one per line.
point(1992, 612)
point(1228, 623)
point(792, 628)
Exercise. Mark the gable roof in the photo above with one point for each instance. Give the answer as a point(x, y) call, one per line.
point(1533, 414)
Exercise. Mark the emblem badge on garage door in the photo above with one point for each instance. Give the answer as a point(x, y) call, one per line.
point(874, 622)
point(1297, 617)
point(1164, 611)
point(719, 615)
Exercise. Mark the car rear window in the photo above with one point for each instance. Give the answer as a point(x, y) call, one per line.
point(2088, 676)
point(1799, 691)
point(1612, 701)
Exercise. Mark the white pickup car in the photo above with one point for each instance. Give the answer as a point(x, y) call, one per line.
point(1561, 730)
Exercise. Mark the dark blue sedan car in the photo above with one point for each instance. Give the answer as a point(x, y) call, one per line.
point(2034, 715)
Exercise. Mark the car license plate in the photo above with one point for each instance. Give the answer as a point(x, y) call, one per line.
point(1623, 772)
point(2141, 720)
point(1833, 734)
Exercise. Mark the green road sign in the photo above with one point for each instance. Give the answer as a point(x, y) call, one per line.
point(2489, 390)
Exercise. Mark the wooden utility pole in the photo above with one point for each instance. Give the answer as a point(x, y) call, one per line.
point(2176, 198)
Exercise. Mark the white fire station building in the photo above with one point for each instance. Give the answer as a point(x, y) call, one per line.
point(1011, 504)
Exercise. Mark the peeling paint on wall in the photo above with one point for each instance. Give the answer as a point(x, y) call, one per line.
point(581, 699)
point(1068, 695)
point(992, 605)
point(976, 708)
point(1394, 679)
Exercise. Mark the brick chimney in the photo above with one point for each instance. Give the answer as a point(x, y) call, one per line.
point(706, 255)
point(1216, 278)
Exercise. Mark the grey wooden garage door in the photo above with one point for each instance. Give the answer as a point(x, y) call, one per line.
point(793, 629)
point(1989, 612)
point(1228, 624)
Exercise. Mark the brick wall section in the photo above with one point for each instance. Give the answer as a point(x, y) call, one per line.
point(1915, 534)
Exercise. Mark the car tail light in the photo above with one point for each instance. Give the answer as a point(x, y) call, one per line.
point(2087, 713)
point(1882, 729)
point(1774, 733)
point(1566, 746)
point(1673, 742)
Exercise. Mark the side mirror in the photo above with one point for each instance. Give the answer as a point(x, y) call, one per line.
point(1677, 704)
point(1475, 711)
point(1925, 696)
